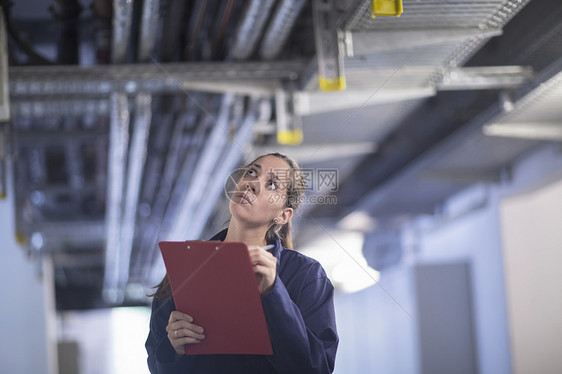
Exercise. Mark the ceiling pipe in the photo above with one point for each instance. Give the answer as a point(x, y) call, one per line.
point(174, 25)
point(68, 13)
point(189, 163)
point(223, 24)
point(122, 20)
point(70, 81)
point(280, 27)
point(169, 180)
point(250, 28)
point(152, 186)
point(207, 182)
point(167, 205)
point(205, 165)
point(148, 29)
point(194, 29)
point(231, 156)
point(118, 142)
point(137, 157)
point(103, 12)
point(171, 188)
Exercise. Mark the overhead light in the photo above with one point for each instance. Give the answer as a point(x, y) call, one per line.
point(350, 277)
point(536, 131)
point(321, 102)
point(37, 240)
point(358, 221)
point(340, 254)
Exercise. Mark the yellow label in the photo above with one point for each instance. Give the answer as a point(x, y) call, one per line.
point(335, 84)
point(386, 8)
point(289, 137)
point(20, 238)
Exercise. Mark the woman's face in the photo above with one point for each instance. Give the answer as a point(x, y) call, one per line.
point(261, 193)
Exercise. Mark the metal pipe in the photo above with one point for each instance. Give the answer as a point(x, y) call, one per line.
point(122, 20)
point(70, 81)
point(194, 29)
point(280, 27)
point(148, 27)
point(118, 142)
point(253, 22)
point(103, 11)
point(164, 197)
point(174, 24)
point(223, 23)
point(153, 186)
point(206, 163)
point(68, 13)
point(137, 157)
point(230, 158)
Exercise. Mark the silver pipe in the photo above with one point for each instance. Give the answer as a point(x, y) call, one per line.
point(118, 142)
point(122, 19)
point(163, 196)
point(206, 163)
point(280, 27)
point(71, 107)
point(137, 157)
point(215, 185)
point(250, 28)
point(74, 165)
point(70, 81)
point(148, 26)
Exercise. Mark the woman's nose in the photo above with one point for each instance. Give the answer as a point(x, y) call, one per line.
point(248, 186)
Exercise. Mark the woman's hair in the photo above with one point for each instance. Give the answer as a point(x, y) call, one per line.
point(294, 195)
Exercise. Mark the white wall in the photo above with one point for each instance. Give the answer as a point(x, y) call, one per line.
point(376, 327)
point(532, 228)
point(28, 336)
point(477, 238)
point(108, 341)
point(377, 336)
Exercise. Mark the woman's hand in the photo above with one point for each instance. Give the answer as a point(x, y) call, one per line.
point(265, 268)
point(182, 331)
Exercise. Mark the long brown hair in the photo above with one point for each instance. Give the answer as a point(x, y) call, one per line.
point(294, 196)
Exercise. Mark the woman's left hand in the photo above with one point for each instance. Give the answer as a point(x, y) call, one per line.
point(265, 268)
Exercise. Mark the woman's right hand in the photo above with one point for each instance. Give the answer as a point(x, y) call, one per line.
point(182, 331)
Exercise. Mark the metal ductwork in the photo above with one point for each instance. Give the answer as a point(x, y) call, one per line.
point(250, 28)
point(116, 149)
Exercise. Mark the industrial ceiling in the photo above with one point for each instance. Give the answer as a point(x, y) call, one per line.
point(126, 117)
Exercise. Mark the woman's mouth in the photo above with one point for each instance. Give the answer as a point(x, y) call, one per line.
point(243, 199)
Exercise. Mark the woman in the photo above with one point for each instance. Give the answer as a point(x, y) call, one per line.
point(297, 296)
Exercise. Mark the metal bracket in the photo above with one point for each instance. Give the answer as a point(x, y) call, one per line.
point(289, 123)
point(329, 46)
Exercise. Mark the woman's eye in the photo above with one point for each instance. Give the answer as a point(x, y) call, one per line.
point(251, 172)
point(272, 185)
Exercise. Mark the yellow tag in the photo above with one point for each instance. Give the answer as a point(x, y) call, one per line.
point(335, 84)
point(20, 238)
point(289, 137)
point(386, 8)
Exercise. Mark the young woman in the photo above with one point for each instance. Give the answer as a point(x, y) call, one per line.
point(297, 296)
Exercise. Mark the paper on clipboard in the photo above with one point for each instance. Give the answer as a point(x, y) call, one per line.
point(214, 282)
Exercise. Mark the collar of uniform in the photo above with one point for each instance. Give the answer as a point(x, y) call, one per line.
point(277, 250)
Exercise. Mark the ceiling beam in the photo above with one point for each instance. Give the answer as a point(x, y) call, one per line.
point(449, 116)
point(70, 81)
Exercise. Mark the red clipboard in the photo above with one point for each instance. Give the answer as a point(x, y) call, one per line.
point(214, 282)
